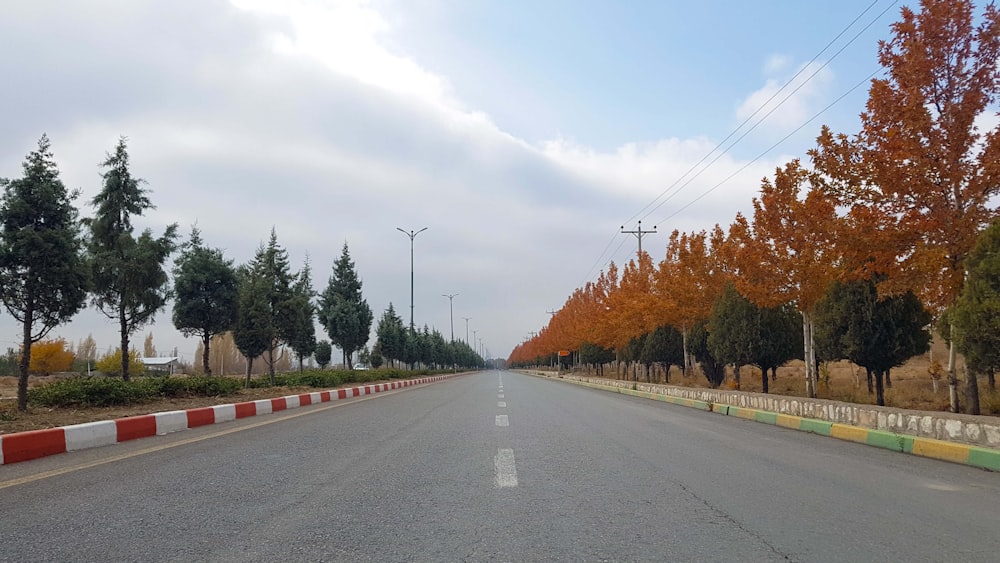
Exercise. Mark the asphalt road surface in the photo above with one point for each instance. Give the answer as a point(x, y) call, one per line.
point(496, 466)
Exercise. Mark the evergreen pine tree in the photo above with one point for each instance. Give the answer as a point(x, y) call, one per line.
point(343, 312)
point(43, 276)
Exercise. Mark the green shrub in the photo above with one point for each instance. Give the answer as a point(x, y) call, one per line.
point(92, 392)
point(202, 386)
point(100, 391)
point(171, 387)
point(109, 391)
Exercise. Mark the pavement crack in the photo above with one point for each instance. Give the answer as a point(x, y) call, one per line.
point(729, 518)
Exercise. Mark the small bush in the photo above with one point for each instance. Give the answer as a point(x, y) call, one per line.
point(172, 387)
point(108, 391)
point(91, 392)
point(211, 386)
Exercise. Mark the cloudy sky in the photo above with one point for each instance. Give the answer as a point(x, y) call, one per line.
point(522, 134)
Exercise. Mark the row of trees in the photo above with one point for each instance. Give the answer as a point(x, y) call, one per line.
point(52, 263)
point(879, 225)
point(397, 344)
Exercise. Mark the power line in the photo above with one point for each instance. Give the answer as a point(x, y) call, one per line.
point(656, 205)
point(769, 149)
point(772, 110)
point(762, 106)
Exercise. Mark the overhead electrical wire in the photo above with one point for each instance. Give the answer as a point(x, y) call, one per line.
point(750, 117)
point(772, 147)
point(653, 205)
point(775, 108)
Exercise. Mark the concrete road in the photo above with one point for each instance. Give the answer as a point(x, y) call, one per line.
point(496, 466)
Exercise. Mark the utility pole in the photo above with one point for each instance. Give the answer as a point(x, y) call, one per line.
point(467, 319)
point(451, 312)
point(412, 236)
point(638, 234)
point(474, 339)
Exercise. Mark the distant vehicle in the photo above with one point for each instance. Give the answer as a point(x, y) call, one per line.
point(361, 367)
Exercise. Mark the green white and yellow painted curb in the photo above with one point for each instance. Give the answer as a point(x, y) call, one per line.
point(975, 456)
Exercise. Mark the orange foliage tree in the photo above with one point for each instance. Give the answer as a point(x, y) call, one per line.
point(689, 280)
point(50, 356)
point(920, 161)
point(788, 253)
point(631, 305)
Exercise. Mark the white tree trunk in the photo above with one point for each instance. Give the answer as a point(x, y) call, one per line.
point(952, 376)
point(810, 355)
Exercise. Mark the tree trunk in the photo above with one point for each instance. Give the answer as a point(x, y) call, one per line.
point(971, 392)
point(888, 378)
point(684, 345)
point(763, 379)
point(880, 397)
point(270, 362)
point(206, 339)
point(249, 371)
point(736, 375)
point(25, 364)
point(991, 380)
point(810, 355)
point(952, 376)
point(868, 374)
point(123, 324)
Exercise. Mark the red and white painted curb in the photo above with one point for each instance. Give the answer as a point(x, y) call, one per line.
point(23, 446)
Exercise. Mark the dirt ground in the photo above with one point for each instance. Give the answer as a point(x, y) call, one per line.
point(912, 384)
point(43, 417)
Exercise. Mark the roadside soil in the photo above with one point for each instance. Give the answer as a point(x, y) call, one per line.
point(37, 418)
point(912, 384)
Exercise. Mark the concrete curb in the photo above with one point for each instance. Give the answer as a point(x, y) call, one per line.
point(24, 446)
point(975, 456)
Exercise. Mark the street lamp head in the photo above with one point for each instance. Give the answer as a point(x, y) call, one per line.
point(412, 234)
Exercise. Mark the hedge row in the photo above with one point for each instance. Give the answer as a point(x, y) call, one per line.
point(100, 391)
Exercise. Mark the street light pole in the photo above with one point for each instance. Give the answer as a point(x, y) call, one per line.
point(412, 236)
point(467, 319)
point(451, 312)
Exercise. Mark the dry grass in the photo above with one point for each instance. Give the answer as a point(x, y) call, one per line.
point(912, 385)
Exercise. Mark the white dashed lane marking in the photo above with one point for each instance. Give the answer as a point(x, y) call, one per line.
point(500, 396)
point(506, 470)
point(502, 420)
point(502, 404)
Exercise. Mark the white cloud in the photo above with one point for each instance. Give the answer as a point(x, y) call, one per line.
point(344, 35)
point(665, 176)
point(776, 64)
point(327, 135)
point(783, 108)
